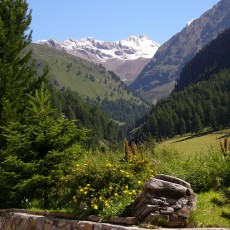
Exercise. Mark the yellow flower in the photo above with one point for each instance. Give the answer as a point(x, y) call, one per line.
point(88, 185)
point(95, 206)
point(75, 199)
point(107, 203)
point(85, 192)
point(110, 187)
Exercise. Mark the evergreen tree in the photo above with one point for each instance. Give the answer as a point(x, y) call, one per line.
point(181, 126)
point(196, 123)
point(16, 75)
point(38, 153)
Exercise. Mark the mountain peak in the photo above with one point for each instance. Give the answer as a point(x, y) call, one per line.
point(131, 48)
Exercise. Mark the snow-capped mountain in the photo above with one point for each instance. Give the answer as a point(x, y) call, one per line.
point(131, 48)
point(126, 57)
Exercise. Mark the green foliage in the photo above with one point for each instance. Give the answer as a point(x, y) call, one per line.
point(104, 185)
point(208, 61)
point(90, 116)
point(16, 76)
point(205, 170)
point(37, 153)
point(205, 104)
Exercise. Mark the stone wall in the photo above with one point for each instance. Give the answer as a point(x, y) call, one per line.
point(14, 219)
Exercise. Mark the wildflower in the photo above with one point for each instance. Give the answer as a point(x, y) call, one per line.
point(75, 199)
point(95, 206)
point(106, 203)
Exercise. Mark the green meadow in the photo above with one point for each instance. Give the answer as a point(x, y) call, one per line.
point(192, 144)
point(198, 159)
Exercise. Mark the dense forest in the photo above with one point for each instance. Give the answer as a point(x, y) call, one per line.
point(201, 98)
point(100, 124)
point(209, 60)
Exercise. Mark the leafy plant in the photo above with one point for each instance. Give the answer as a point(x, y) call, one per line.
point(38, 152)
point(102, 185)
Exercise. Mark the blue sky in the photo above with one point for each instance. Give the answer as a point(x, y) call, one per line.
point(113, 20)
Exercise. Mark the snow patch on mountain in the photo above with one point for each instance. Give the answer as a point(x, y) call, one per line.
point(130, 48)
point(189, 22)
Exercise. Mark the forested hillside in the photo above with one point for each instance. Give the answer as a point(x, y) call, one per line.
point(203, 99)
point(209, 60)
point(102, 127)
point(199, 105)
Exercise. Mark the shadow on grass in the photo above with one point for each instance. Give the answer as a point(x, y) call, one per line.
point(198, 135)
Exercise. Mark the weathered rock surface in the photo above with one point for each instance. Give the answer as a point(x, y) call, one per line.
point(166, 201)
point(16, 220)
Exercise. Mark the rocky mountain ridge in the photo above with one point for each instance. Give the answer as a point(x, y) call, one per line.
point(159, 76)
point(117, 56)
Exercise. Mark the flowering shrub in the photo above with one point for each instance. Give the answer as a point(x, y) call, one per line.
point(104, 187)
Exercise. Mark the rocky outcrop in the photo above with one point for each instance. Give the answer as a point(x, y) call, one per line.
point(166, 201)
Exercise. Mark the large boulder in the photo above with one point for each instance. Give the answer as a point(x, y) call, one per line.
point(166, 201)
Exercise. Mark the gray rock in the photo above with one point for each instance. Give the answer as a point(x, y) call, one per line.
point(164, 202)
point(173, 180)
point(165, 188)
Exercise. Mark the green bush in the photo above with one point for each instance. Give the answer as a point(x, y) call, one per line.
point(103, 184)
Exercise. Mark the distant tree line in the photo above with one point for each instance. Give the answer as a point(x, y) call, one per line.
point(205, 104)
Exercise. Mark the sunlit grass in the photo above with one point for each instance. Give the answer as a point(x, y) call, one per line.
point(207, 213)
point(193, 144)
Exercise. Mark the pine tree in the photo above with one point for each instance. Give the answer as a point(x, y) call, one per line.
point(38, 153)
point(196, 124)
point(16, 73)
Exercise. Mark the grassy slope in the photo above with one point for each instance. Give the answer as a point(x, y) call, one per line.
point(207, 214)
point(195, 144)
point(79, 76)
